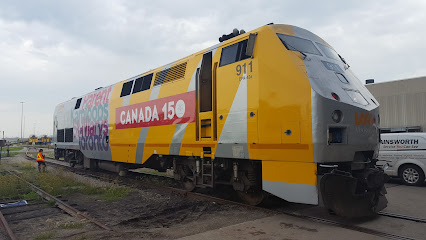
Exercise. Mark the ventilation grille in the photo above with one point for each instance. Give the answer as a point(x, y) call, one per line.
point(68, 134)
point(60, 135)
point(170, 74)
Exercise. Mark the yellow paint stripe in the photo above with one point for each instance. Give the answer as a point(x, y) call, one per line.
point(123, 145)
point(198, 145)
point(279, 146)
point(157, 145)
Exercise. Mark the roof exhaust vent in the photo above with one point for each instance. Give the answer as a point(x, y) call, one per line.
point(234, 33)
point(368, 81)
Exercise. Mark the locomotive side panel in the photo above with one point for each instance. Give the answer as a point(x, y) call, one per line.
point(237, 101)
point(158, 139)
point(90, 121)
point(285, 131)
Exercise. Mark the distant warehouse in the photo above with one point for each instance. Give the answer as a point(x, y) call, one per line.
point(402, 104)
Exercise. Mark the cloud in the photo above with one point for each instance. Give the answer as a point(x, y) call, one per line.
point(52, 51)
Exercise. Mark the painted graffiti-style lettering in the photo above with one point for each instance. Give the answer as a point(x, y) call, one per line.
point(90, 121)
point(164, 111)
point(364, 119)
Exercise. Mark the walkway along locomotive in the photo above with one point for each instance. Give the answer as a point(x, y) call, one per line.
point(273, 110)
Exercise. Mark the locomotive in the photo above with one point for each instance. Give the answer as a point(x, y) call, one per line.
point(272, 111)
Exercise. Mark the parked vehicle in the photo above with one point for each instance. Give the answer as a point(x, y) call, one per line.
point(403, 155)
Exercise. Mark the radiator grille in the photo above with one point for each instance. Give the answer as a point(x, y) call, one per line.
point(60, 135)
point(171, 74)
point(68, 134)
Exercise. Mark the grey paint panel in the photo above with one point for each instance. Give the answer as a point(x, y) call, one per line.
point(177, 138)
point(292, 192)
point(191, 86)
point(68, 145)
point(155, 91)
point(235, 128)
point(141, 144)
point(303, 33)
point(358, 137)
point(325, 81)
point(232, 150)
point(126, 100)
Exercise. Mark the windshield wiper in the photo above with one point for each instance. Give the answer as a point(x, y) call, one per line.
point(288, 46)
point(343, 60)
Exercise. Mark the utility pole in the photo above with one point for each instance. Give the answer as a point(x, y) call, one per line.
point(22, 117)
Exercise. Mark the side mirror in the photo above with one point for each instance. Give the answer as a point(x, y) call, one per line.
point(250, 44)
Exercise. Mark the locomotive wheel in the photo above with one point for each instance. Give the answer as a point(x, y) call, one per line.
point(72, 164)
point(188, 184)
point(252, 197)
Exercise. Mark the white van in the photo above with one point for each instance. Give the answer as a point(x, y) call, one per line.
point(404, 155)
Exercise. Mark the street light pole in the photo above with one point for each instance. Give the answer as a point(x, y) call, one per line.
point(22, 117)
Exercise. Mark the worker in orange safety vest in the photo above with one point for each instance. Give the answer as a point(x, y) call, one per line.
point(40, 161)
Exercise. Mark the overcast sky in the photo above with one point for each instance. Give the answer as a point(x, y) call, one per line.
point(51, 51)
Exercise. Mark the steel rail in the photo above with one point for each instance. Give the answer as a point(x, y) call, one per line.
point(7, 228)
point(402, 216)
point(203, 197)
point(62, 205)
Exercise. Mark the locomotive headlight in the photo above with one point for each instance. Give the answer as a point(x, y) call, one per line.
point(337, 116)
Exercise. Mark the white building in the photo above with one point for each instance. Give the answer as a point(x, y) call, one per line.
point(402, 104)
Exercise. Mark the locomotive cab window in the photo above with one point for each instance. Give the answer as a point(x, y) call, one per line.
point(342, 78)
point(329, 52)
point(77, 104)
point(298, 44)
point(234, 53)
point(142, 83)
point(127, 88)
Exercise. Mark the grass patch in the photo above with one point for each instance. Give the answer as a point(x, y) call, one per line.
point(13, 149)
point(61, 185)
point(56, 182)
point(12, 154)
point(72, 225)
point(89, 190)
point(27, 167)
point(50, 154)
point(57, 185)
point(114, 193)
point(31, 195)
point(13, 188)
point(45, 236)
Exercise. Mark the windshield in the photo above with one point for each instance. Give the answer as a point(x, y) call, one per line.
point(328, 51)
point(298, 44)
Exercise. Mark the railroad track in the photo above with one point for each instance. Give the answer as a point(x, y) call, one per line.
point(61, 204)
point(4, 225)
point(131, 182)
point(402, 216)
